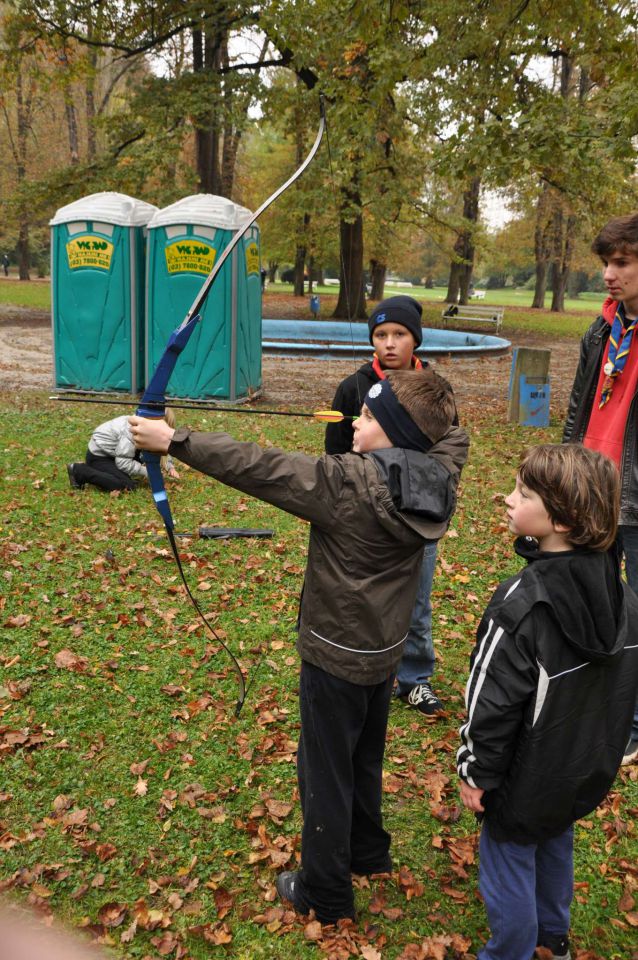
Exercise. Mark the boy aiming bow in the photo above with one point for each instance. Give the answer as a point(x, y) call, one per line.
point(369, 512)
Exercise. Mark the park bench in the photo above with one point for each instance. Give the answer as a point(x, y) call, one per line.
point(474, 312)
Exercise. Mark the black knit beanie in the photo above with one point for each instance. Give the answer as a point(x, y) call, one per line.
point(404, 310)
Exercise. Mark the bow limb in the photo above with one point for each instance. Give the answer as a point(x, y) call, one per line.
point(153, 402)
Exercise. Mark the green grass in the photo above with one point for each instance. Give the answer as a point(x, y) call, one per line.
point(520, 318)
point(128, 788)
point(27, 293)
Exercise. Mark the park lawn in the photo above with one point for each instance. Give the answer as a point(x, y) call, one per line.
point(25, 293)
point(134, 804)
point(518, 318)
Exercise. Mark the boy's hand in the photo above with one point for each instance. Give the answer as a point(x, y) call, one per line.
point(471, 797)
point(153, 435)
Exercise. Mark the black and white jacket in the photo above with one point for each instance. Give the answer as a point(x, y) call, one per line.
point(551, 692)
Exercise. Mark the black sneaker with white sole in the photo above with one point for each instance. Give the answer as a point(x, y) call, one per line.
point(423, 698)
point(631, 752)
point(285, 885)
point(558, 945)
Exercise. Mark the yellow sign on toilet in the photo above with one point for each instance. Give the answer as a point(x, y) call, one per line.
point(252, 258)
point(189, 256)
point(89, 251)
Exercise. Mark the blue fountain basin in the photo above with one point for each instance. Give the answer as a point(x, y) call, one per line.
point(331, 338)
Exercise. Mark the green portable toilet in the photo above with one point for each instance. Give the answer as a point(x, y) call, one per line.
point(222, 360)
point(98, 261)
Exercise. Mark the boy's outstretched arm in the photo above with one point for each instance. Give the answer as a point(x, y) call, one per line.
point(305, 486)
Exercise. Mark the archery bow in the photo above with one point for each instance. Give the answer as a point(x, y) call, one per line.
point(153, 402)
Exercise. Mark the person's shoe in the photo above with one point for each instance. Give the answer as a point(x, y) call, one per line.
point(558, 945)
point(423, 698)
point(285, 885)
point(75, 484)
point(631, 752)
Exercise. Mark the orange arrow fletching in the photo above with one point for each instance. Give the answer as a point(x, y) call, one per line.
point(328, 416)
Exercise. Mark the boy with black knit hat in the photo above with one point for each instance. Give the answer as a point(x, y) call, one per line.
point(369, 512)
point(395, 332)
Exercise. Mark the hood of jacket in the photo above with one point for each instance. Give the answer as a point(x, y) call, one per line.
point(584, 590)
point(423, 485)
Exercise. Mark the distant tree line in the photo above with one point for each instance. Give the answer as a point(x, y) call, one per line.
point(430, 106)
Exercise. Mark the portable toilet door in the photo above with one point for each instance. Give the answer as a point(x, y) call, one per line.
point(222, 359)
point(247, 318)
point(98, 284)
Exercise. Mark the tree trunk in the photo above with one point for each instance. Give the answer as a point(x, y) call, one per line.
point(302, 235)
point(273, 266)
point(23, 249)
point(542, 245)
point(462, 266)
point(351, 302)
point(23, 105)
point(232, 135)
point(72, 128)
point(300, 260)
point(540, 286)
point(89, 100)
point(564, 224)
point(378, 272)
point(452, 295)
point(564, 239)
point(207, 52)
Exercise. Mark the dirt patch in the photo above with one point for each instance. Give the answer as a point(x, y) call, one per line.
point(26, 363)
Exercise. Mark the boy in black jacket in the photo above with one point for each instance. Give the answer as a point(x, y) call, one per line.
point(550, 696)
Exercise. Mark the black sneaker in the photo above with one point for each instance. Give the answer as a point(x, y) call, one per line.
point(285, 885)
point(423, 698)
point(631, 752)
point(75, 484)
point(558, 945)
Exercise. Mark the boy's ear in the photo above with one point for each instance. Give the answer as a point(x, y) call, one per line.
point(561, 528)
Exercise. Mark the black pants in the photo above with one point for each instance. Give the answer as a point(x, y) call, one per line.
point(102, 473)
point(339, 766)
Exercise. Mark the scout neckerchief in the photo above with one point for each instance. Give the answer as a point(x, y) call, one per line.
point(380, 372)
point(619, 345)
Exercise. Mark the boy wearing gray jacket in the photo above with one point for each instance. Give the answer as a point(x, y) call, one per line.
point(370, 512)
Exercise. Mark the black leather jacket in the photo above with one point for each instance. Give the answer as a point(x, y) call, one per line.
point(592, 349)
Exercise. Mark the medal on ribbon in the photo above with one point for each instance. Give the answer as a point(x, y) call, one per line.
point(619, 346)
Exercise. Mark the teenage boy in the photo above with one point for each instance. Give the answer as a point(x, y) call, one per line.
point(369, 512)
point(550, 696)
point(395, 333)
point(602, 412)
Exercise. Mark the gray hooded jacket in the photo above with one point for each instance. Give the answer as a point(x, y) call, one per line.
point(369, 516)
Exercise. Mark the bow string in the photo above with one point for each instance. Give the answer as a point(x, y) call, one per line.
point(153, 402)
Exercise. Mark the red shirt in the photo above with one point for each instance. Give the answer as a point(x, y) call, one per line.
point(606, 428)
